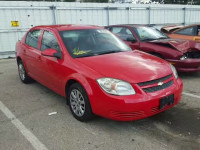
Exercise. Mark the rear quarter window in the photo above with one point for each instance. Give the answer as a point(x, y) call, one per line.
point(187, 31)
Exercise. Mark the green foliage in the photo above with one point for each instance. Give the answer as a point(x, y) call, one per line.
point(69, 0)
point(104, 1)
point(183, 2)
point(95, 1)
point(176, 1)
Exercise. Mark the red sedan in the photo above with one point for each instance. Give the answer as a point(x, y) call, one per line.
point(97, 73)
point(183, 54)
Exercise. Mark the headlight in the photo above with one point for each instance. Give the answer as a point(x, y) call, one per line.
point(115, 86)
point(183, 57)
point(174, 71)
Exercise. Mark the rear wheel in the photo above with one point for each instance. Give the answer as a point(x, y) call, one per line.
point(22, 73)
point(79, 103)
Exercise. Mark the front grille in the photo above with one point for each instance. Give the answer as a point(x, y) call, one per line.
point(159, 87)
point(155, 81)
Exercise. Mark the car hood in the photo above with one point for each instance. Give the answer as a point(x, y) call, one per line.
point(131, 66)
point(180, 45)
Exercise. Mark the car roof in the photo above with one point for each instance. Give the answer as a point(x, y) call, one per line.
point(188, 26)
point(133, 25)
point(174, 28)
point(63, 27)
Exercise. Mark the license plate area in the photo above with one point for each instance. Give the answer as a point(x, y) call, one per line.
point(168, 100)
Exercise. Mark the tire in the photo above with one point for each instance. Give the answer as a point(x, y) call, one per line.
point(79, 103)
point(22, 73)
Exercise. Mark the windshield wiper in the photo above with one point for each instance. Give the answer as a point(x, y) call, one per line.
point(95, 54)
point(163, 38)
point(154, 39)
point(86, 55)
point(148, 40)
point(109, 52)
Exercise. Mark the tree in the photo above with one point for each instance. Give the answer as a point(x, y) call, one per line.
point(98, 1)
point(69, 0)
point(184, 2)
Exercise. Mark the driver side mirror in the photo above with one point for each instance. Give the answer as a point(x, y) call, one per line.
point(131, 39)
point(52, 53)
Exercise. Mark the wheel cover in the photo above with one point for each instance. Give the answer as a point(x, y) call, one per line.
point(21, 71)
point(77, 102)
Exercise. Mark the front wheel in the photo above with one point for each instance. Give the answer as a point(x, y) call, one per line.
point(22, 73)
point(79, 103)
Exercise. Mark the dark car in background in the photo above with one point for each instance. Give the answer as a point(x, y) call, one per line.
point(183, 54)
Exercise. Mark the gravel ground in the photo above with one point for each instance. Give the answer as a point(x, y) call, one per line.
point(177, 128)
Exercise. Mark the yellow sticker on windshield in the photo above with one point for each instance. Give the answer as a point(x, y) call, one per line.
point(77, 51)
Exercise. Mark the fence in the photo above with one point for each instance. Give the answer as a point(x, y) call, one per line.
point(30, 14)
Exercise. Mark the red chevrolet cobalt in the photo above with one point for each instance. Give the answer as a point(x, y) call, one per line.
point(97, 73)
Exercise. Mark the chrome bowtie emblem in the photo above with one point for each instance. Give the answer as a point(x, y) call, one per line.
point(160, 83)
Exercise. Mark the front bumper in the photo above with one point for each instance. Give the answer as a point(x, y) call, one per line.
point(186, 65)
point(133, 107)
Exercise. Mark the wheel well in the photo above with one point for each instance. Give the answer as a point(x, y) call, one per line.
point(18, 59)
point(67, 86)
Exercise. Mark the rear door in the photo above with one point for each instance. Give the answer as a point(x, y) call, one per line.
point(125, 34)
point(31, 52)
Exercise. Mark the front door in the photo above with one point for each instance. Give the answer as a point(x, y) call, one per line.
point(51, 67)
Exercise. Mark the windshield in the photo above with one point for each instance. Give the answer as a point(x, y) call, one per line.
point(91, 42)
point(149, 33)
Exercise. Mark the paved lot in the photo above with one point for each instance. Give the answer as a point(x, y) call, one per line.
point(30, 126)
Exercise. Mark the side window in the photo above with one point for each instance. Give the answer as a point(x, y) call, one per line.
point(49, 41)
point(32, 38)
point(198, 30)
point(187, 31)
point(108, 28)
point(123, 33)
